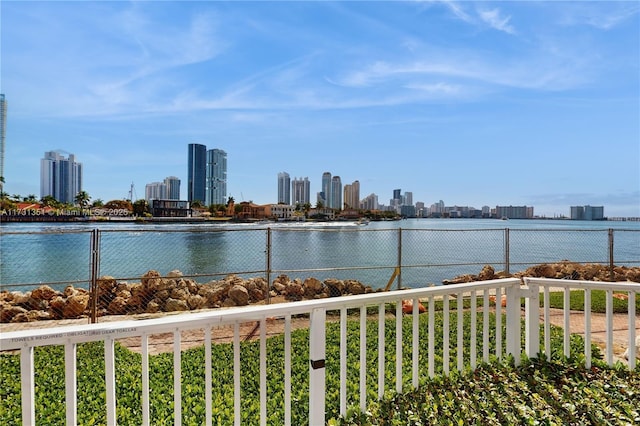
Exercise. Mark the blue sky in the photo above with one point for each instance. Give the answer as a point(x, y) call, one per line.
point(473, 103)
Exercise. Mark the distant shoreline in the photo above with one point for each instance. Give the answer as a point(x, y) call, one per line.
point(155, 220)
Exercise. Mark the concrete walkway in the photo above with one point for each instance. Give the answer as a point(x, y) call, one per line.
point(598, 327)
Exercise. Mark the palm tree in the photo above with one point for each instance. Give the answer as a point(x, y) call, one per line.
point(49, 201)
point(82, 198)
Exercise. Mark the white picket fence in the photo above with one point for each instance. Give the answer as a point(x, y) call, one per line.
point(511, 290)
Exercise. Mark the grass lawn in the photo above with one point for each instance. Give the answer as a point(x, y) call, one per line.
point(496, 393)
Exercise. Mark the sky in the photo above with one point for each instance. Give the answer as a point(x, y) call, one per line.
point(471, 102)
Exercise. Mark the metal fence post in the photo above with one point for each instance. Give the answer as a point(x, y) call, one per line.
point(268, 266)
point(399, 258)
point(506, 250)
point(612, 275)
point(95, 271)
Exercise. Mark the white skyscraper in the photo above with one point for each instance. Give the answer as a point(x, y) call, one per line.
point(300, 190)
point(60, 177)
point(284, 188)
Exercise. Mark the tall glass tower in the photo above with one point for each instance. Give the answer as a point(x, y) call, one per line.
point(60, 177)
point(326, 189)
point(196, 173)
point(173, 187)
point(336, 193)
point(3, 131)
point(284, 188)
point(216, 177)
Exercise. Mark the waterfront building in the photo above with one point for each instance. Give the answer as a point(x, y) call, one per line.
point(280, 211)
point(336, 193)
point(352, 195)
point(326, 189)
point(514, 212)
point(216, 177)
point(301, 191)
point(3, 132)
point(370, 202)
point(420, 210)
point(172, 183)
point(155, 191)
point(60, 177)
point(169, 208)
point(196, 173)
point(284, 188)
point(587, 212)
point(169, 189)
point(407, 199)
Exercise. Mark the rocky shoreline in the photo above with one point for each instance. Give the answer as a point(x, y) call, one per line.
point(174, 292)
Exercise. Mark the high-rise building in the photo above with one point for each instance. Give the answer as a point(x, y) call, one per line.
point(407, 199)
point(173, 187)
point(60, 177)
point(216, 183)
point(300, 191)
point(587, 212)
point(284, 188)
point(155, 191)
point(196, 173)
point(370, 202)
point(169, 189)
point(326, 189)
point(514, 212)
point(336, 193)
point(352, 195)
point(3, 132)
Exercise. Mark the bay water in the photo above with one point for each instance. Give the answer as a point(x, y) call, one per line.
point(427, 251)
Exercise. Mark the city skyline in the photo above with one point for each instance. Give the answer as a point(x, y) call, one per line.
point(498, 103)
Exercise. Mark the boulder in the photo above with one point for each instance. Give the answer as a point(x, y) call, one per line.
point(312, 287)
point(335, 287)
point(195, 301)
point(487, 273)
point(173, 305)
point(44, 292)
point(118, 306)
point(294, 291)
point(9, 312)
point(56, 307)
point(239, 295)
point(174, 274)
point(152, 307)
point(354, 287)
point(76, 305)
point(150, 280)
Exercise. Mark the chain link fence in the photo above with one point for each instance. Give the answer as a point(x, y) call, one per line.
point(95, 273)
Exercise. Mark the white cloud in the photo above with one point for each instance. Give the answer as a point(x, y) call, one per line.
point(495, 20)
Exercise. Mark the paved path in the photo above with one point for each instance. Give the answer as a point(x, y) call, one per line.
point(598, 327)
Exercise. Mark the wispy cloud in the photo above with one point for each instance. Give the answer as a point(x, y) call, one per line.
point(479, 16)
point(601, 15)
point(496, 21)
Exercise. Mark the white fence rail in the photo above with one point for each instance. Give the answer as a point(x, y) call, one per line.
point(509, 291)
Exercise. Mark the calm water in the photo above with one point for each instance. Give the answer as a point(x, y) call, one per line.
point(429, 250)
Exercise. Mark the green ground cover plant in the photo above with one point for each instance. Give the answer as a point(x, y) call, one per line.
point(498, 377)
point(598, 301)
